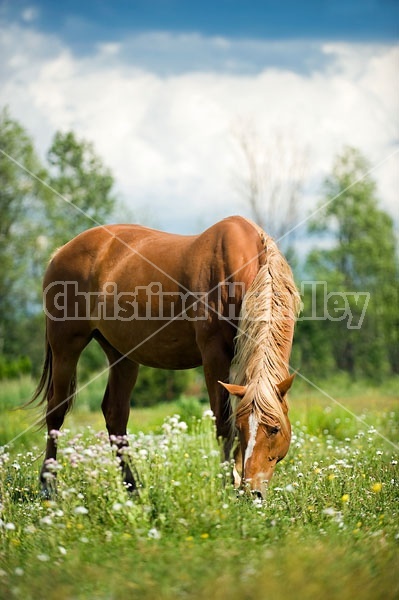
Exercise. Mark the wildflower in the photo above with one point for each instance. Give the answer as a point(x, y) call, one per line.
point(53, 465)
point(68, 450)
point(62, 550)
point(30, 529)
point(376, 487)
point(189, 538)
point(80, 510)
point(9, 526)
point(117, 506)
point(88, 452)
point(204, 536)
point(154, 534)
point(19, 571)
point(208, 414)
point(289, 488)
point(43, 557)
point(345, 498)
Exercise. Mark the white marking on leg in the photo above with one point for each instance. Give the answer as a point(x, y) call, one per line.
point(253, 429)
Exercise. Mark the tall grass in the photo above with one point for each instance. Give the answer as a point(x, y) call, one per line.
point(327, 529)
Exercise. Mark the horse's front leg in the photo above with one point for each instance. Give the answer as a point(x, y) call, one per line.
point(216, 361)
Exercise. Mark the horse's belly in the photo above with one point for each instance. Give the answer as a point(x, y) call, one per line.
point(163, 345)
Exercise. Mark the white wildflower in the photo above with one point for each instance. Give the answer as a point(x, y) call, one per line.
point(154, 534)
point(208, 414)
point(43, 557)
point(80, 510)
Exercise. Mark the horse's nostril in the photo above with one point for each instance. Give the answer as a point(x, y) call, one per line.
point(257, 493)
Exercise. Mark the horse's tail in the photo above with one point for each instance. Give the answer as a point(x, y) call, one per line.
point(45, 387)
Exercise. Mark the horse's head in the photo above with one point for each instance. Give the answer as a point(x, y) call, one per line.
point(263, 443)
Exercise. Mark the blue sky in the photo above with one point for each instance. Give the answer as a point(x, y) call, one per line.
point(84, 25)
point(349, 20)
point(161, 88)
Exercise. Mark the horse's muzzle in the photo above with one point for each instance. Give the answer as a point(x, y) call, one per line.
point(257, 494)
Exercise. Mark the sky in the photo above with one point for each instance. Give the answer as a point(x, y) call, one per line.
point(164, 89)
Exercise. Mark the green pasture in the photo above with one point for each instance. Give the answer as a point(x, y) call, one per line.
point(329, 527)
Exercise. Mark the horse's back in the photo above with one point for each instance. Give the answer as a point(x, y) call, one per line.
point(228, 249)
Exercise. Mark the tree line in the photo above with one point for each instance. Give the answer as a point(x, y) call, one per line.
point(354, 261)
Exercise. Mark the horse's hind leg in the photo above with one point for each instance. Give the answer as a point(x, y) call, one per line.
point(65, 356)
point(116, 404)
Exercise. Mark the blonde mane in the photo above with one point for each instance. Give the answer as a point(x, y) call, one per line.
point(263, 344)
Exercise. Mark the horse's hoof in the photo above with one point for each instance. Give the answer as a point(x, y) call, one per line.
point(47, 492)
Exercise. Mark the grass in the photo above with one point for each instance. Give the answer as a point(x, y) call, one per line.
point(328, 528)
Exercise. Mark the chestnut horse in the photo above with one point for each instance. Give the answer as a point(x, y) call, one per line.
point(224, 299)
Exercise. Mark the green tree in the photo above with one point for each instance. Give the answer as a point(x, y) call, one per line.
point(83, 187)
point(34, 220)
point(21, 232)
point(360, 257)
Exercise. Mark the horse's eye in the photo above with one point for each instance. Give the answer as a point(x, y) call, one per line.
point(274, 430)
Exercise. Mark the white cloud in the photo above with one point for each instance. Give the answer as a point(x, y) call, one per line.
point(168, 138)
point(29, 14)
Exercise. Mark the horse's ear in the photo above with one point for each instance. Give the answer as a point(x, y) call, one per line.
point(285, 385)
point(235, 390)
